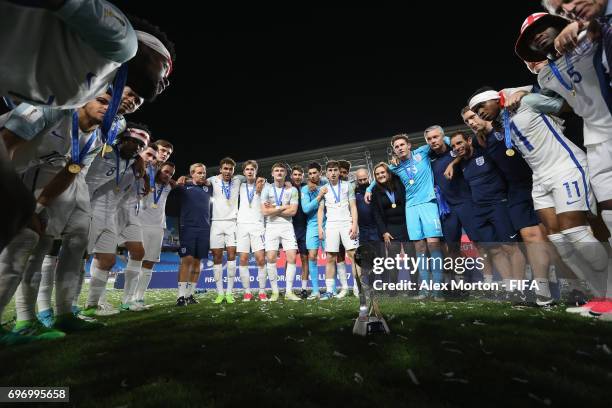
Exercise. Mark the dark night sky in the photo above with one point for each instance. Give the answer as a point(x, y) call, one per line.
point(254, 82)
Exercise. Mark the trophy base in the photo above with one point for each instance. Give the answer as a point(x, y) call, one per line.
point(370, 325)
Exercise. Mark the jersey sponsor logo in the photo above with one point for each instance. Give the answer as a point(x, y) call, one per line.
point(418, 157)
point(499, 136)
point(205, 189)
point(513, 236)
point(480, 160)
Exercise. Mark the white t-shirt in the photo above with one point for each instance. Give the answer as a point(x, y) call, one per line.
point(279, 196)
point(156, 217)
point(225, 209)
point(589, 102)
point(63, 58)
point(540, 140)
point(250, 213)
point(338, 209)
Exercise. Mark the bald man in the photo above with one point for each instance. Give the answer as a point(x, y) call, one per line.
point(367, 225)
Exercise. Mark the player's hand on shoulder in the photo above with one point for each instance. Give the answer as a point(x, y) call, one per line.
point(567, 39)
point(514, 101)
point(323, 191)
point(394, 160)
point(449, 172)
point(367, 197)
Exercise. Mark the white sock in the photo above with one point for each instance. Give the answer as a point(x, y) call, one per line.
point(97, 284)
point(289, 277)
point(342, 275)
point(182, 289)
point(606, 215)
point(218, 275)
point(273, 276)
point(543, 288)
point(131, 273)
point(304, 284)
point(588, 247)
point(13, 262)
point(261, 278)
point(329, 284)
point(70, 270)
point(143, 283)
point(244, 278)
point(231, 275)
point(47, 277)
point(341, 271)
point(189, 289)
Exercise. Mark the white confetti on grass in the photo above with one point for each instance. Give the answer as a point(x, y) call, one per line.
point(278, 359)
point(520, 380)
point(449, 374)
point(358, 378)
point(223, 374)
point(545, 401)
point(413, 377)
point(453, 350)
point(479, 323)
point(338, 354)
point(457, 380)
point(124, 383)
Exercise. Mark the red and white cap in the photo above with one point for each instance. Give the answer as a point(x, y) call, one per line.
point(531, 23)
point(139, 134)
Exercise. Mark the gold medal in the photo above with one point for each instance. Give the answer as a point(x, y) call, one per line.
point(107, 148)
point(509, 152)
point(74, 168)
point(153, 205)
point(393, 205)
point(411, 182)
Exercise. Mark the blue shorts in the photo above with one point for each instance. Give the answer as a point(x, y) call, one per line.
point(423, 221)
point(312, 239)
point(194, 242)
point(493, 224)
point(520, 205)
point(461, 218)
point(368, 234)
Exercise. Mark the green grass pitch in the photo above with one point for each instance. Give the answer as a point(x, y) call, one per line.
point(439, 354)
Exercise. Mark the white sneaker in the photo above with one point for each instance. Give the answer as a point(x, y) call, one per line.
point(132, 307)
point(578, 309)
point(342, 293)
point(106, 309)
point(289, 295)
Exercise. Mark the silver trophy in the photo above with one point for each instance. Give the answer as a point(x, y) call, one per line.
point(370, 319)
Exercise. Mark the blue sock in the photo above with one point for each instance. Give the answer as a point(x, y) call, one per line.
point(423, 270)
point(436, 267)
point(313, 270)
